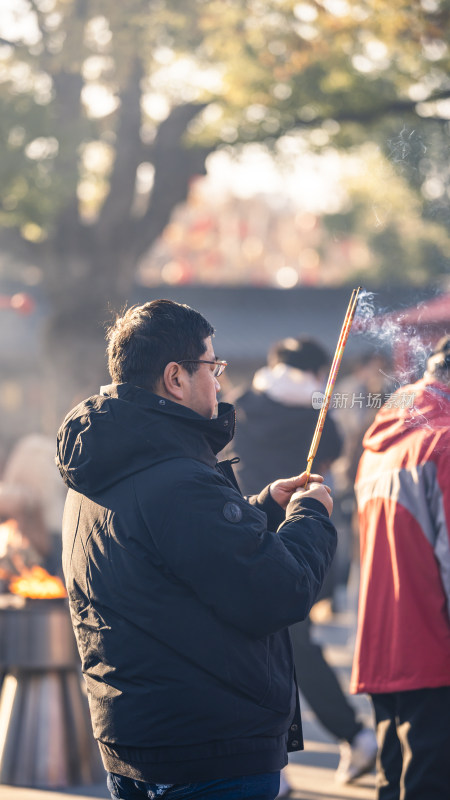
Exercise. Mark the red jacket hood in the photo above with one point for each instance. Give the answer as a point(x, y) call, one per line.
point(422, 404)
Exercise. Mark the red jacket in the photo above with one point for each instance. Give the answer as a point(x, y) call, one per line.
point(403, 494)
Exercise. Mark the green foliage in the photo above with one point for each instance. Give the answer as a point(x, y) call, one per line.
point(405, 241)
point(84, 77)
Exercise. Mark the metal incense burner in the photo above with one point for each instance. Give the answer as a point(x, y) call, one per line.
point(45, 731)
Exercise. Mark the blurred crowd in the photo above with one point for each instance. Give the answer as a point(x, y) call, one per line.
point(276, 415)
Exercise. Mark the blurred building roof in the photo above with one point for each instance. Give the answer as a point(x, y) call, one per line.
point(248, 320)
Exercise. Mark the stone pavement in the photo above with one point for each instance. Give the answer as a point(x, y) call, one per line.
point(311, 773)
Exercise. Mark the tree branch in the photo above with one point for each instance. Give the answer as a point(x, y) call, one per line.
point(10, 44)
point(115, 213)
point(175, 166)
point(68, 88)
point(68, 85)
point(372, 114)
point(39, 17)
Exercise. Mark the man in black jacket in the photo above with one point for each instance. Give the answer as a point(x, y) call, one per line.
point(179, 592)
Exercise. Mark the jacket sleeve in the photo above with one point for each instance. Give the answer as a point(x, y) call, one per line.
point(265, 502)
point(439, 507)
point(218, 545)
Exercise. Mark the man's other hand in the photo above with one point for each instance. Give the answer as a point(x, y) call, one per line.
point(284, 489)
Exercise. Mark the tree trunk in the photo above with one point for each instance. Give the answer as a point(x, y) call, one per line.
point(74, 345)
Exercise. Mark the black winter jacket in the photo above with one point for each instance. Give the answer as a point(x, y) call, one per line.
point(180, 595)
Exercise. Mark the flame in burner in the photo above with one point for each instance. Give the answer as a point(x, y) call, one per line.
point(37, 583)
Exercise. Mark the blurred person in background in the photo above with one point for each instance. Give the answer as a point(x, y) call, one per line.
point(31, 469)
point(362, 391)
point(180, 591)
point(32, 499)
point(275, 418)
point(275, 423)
point(402, 654)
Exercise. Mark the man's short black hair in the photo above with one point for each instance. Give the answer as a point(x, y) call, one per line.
point(146, 338)
point(302, 353)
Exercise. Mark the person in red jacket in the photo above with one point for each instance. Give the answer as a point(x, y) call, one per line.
point(402, 651)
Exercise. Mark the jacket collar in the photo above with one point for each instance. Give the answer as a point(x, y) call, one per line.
point(217, 431)
point(125, 429)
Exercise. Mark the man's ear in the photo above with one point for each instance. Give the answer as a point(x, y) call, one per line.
point(173, 381)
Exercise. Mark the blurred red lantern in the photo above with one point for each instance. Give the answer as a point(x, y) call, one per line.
point(20, 302)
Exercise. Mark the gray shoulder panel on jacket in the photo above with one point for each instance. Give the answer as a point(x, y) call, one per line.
point(416, 489)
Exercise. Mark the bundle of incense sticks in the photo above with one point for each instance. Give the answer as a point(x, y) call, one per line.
point(342, 341)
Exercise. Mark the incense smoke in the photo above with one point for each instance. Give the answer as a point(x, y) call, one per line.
point(391, 332)
point(407, 147)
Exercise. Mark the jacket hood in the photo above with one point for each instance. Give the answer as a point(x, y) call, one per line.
point(125, 429)
point(287, 385)
point(425, 404)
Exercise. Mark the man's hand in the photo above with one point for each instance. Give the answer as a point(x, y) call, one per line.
point(284, 489)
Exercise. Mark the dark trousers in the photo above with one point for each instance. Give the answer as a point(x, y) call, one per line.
point(319, 685)
point(251, 787)
point(413, 732)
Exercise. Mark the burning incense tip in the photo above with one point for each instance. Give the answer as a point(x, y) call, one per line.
point(342, 341)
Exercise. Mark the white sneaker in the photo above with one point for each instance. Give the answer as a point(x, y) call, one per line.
point(285, 788)
point(358, 757)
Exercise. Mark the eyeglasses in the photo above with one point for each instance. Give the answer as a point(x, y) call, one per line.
point(219, 365)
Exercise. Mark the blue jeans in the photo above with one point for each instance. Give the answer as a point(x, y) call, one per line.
point(251, 787)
